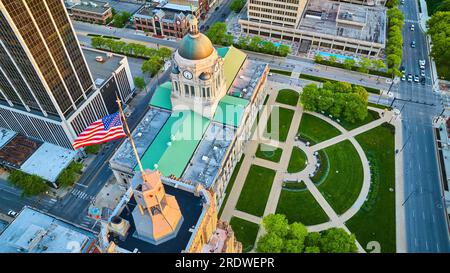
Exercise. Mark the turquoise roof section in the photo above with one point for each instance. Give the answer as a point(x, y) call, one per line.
point(222, 51)
point(161, 97)
point(175, 144)
point(230, 110)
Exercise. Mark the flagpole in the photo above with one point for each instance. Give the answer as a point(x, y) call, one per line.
point(129, 136)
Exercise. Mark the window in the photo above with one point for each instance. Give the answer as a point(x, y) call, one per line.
point(186, 90)
point(192, 91)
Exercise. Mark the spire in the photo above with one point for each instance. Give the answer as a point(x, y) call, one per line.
point(193, 23)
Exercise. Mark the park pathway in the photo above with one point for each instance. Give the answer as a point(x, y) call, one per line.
point(281, 167)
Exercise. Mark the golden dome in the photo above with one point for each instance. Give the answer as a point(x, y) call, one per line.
point(195, 47)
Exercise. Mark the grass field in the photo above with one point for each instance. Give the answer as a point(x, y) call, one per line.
point(256, 190)
point(297, 162)
point(245, 232)
point(281, 72)
point(231, 183)
point(281, 119)
point(315, 129)
point(288, 96)
point(343, 183)
point(300, 206)
point(269, 152)
point(376, 219)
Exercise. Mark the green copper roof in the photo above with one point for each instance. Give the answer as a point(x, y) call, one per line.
point(183, 130)
point(161, 97)
point(234, 58)
point(222, 51)
point(230, 110)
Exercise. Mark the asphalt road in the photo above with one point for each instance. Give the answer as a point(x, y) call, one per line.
point(426, 227)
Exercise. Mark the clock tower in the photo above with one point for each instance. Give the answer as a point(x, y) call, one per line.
point(197, 74)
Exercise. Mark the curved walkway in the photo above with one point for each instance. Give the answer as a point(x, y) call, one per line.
point(281, 167)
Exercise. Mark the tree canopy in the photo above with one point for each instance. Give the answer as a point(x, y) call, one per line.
point(120, 19)
point(237, 5)
point(218, 35)
point(394, 45)
point(439, 30)
point(282, 237)
point(139, 82)
point(340, 99)
point(30, 185)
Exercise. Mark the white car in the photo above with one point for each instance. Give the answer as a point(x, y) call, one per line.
point(12, 213)
point(422, 62)
point(409, 77)
point(412, 27)
point(416, 78)
point(422, 73)
point(403, 77)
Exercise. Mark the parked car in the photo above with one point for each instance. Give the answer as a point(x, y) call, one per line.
point(403, 77)
point(402, 69)
point(422, 80)
point(413, 44)
point(409, 77)
point(422, 73)
point(416, 78)
point(412, 27)
point(12, 213)
point(422, 64)
point(402, 2)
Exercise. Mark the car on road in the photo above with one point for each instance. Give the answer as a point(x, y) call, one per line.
point(12, 213)
point(409, 77)
point(413, 44)
point(416, 78)
point(402, 2)
point(422, 73)
point(402, 69)
point(412, 27)
point(422, 80)
point(403, 77)
point(422, 64)
point(216, 9)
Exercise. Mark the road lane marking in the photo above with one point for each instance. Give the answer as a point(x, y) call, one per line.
point(423, 215)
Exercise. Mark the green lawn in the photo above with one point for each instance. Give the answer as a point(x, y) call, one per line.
point(376, 219)
point(231, 183)
point(371, 116)
point(293, 185)
point(379, 106)
point(343, 183)
point(281, 72)
point(245, 232)
point(324, 168)
point(297, 162)
point(316, 130)
point(269, 152)
point(281, 119)
point(300, 206)
point(288, 96)
point(256, 190)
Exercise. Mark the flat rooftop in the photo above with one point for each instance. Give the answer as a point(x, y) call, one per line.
point(5, 136)
point(18, 150)
point(56, 159)
point(101, 71)
point(206, 162)
point(346, 20)
point(191, 208)
point(91, 6)
point(247, 78)
point(143, 135)
point(35, 232)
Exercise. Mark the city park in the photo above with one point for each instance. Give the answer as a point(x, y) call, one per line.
point(307, 167)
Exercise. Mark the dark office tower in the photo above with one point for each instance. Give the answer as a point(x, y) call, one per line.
point(46, 89)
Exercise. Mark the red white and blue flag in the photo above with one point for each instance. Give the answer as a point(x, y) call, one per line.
point(103, 130)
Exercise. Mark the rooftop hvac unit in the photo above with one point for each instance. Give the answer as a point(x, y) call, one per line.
point(139, 134)
point(204, 158)
point(215, 148)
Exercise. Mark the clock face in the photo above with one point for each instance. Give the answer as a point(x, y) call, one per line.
point(187, 75)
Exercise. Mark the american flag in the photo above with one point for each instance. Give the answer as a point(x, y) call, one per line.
point(103, 130)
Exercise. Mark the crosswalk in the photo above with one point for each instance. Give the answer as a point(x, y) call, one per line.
point(81, 195)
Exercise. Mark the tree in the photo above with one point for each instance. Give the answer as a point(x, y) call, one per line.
point(255, 43)
point(269, 48)
point(218, 35)
point(392, 3)
point(310, 97)
point(30, 185)
point(312, 239)
point(243, 42)
point(378, 64)
point(139, 82)
point(269, 243)
point(165, 53)
point(120, 19)
point(93, 149)
point(349, 63)
point(237, 5)
point(364, 65)
point(337, 240)
point(69, 175)
point(312, 249)
point(439, 30)
point(152, 65)
point(318, 58)
point(284, 50)
point(277, 224)
point(332, 59)
point(97, 42)
point(443, 6)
